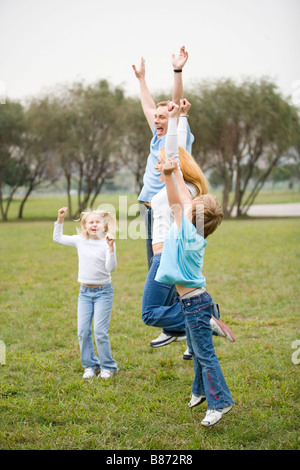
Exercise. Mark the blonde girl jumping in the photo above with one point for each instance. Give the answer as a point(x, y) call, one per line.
point(97, 259)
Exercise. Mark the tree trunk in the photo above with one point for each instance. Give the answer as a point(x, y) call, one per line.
point(21, 208)
point(68, 178)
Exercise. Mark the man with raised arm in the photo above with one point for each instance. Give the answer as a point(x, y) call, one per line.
point(157, 117)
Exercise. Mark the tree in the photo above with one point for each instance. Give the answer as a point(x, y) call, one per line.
point(12, 171)
point(135, 147)
point(37, 154)
point(88, 138)
point(239, 128)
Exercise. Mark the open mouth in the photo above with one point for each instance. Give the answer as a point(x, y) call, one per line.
point(159, 130)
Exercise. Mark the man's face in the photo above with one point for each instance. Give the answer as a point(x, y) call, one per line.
point(161, 120)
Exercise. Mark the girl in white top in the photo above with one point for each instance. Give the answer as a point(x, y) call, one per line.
point(157, 302)
point(162, 215)
point(96, 260)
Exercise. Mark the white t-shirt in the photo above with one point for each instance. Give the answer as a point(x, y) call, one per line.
point(95, 262)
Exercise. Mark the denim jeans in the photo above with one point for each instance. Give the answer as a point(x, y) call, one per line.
point(95, 303)
point(209, 379)
point(148, 229)
point(160, 306)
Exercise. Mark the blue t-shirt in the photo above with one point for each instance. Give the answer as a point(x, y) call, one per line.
point(151, 182)
point(182, 257)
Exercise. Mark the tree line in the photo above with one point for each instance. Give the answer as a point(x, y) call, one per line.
point(87, 133)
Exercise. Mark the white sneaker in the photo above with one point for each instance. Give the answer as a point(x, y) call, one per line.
point(213, 416)
point(216, 328)
point(186, 355)
point(196, 400)
point(89, 373)
point(164, 339)
point(107, 374)
point(221, 329)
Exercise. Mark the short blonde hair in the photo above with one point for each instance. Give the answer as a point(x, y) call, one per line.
point(109, 220)
point(206, 214)
point(191, 171)
point(162, 103)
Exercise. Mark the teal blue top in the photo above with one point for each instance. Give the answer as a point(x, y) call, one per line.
point(182, 257)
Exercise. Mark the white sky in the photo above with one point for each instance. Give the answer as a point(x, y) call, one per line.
point(48, 42)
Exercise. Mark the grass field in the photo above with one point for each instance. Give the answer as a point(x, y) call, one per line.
point(252, 271)
point(41, 206)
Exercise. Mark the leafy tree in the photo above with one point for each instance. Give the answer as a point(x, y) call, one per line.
point(37, 153)
point(12, 170)
point(239, 128)
point(88, 138)
point(135, 146)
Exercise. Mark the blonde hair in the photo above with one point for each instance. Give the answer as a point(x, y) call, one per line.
point(109, 220)
point(162, 103)
point(206, 214)
point(191, 171)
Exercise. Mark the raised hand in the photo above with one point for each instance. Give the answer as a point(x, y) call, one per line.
point(184, 106)
point(140, 74)
point(170, 166)
point(110, 240)
point(61, 215)
point(173, 109)
point(179, 62)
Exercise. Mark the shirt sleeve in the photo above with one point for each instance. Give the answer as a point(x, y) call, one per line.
point(111, 260)
point(182, 131)
point(189, 236)
point(59, 237)
point(171, 147)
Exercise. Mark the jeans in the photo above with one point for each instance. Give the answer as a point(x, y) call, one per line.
point(160, 307)
point(95, 303)
point(148, 227)
point(209, 379)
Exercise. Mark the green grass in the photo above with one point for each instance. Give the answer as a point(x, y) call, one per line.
point(44, 207)
point(252, 271)
point(278, 196)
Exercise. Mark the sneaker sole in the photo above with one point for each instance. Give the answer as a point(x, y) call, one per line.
point(227, 410)
point(226, 330)
point(187, 358)
point(207, 424)
point(166, 342)
point(199, 402)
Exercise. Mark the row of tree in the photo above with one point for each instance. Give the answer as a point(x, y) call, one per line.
point(87, 133)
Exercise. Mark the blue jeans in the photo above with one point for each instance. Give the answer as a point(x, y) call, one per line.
point(95, 303)
point(148, 228)
point(160, 307)
point(209, 379)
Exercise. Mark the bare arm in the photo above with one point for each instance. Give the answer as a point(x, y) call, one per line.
point(147, 101)
point(178, 64)
point(184, 194)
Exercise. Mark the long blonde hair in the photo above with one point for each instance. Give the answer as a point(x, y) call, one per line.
point(191, 171)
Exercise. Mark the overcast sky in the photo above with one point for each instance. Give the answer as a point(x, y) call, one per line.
point(48, 42)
